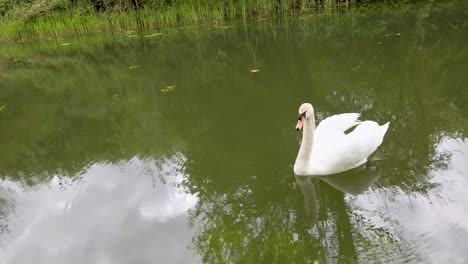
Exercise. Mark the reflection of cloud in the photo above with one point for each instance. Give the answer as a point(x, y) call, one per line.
point(436, 222)
point(130, 212)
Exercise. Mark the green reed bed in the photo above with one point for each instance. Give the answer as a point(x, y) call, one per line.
point(58, 18)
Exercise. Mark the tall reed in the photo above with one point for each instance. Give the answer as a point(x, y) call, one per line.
point(23, 19)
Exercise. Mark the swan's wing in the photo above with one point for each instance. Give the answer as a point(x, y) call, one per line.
point(336, 152)
point(341, 122)
point(361, 143)
point(367, 137)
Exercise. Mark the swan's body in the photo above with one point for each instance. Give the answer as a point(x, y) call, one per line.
point(328, 150)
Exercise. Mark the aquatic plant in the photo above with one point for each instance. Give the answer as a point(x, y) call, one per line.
point(26, 19)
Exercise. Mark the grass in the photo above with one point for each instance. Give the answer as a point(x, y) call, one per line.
point(42, 19)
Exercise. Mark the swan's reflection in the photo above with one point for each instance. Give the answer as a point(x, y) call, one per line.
point(352, 182)
point(310, 198)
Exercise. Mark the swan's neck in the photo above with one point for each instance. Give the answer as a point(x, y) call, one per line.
point(305, 152)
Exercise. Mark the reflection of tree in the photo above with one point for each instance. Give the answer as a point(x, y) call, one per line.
point(233, 227)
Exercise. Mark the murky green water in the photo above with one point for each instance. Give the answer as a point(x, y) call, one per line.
point(169, 149)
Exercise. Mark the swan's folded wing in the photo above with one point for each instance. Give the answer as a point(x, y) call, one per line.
point(364, 140)
point(341, 122)
point(336, 152)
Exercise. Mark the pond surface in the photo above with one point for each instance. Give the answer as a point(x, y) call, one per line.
point(178, 148)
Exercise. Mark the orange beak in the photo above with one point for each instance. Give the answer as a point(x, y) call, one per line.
point(299, 124)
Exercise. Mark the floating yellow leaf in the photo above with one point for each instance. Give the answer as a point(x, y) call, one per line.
point(134, 67)
point(65, 44)
point(168, 89)
point(3, 107)
point(255, 70)
point(153, 35)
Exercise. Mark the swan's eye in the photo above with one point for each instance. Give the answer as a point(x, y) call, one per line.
point(302, 115)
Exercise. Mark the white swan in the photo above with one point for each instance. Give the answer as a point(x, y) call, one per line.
point(328, 150)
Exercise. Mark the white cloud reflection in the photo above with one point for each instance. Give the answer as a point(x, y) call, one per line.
point(130, 212)
point(434, 224)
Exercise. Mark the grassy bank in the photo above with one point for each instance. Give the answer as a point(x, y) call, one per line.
point(30, 19)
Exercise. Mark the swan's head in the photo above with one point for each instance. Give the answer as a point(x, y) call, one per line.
point(305, 111)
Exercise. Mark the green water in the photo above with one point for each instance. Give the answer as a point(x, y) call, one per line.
point(169, 149)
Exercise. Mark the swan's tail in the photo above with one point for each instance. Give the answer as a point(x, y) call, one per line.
point(384, 128)
point(381, 131)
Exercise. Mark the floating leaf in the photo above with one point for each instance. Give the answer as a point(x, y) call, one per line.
point(153, 35)
point(3, 107)
point(392, 34)
point(168, 89)
point(223, 27)
point(306, 17)
point(255, 70)
point(134, 67)
point(65, 44)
